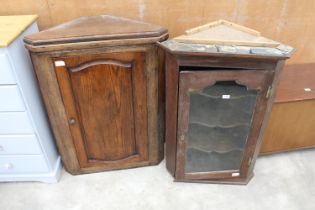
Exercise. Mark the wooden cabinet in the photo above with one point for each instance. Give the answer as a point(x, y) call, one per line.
point(226, 106)
point(291, 124)
point(217, 103)
point(27, 149)
point(102, 83)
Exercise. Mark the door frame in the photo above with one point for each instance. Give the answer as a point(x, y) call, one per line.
point(194, 81)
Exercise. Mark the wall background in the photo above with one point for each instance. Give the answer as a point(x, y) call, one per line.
point(289, 21)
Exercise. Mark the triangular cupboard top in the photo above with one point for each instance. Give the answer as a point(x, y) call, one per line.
point(95, 28)
point(225, 38)
point(225, 33)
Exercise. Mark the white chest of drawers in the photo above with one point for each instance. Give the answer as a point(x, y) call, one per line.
point(27, 150)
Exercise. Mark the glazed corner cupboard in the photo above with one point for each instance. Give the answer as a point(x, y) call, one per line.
point(27, 149)
point(220, 84)
point(102, 83)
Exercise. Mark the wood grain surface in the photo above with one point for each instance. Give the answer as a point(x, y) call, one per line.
point(193, 81)
point(95, 28)
point(291, 127)
point(296, 84)
point(107, 88)
point(171, 110)
point(266, 70)
point(102, 97)
point(291, 124)
point(89, 88)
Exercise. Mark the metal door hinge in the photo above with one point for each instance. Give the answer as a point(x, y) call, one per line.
point(249, 161)
point(269, 91)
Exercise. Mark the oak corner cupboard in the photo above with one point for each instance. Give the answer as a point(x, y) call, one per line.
point(220, 84)
point(102, 81)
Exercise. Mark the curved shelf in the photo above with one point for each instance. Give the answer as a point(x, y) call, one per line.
point(200, 161)
point(234, 90)
point(218, 151)
point(219, 126)
point(217, 139)
point(212, 111)
point(220, 118)
point(232, 97)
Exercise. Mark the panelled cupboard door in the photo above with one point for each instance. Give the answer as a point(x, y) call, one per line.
point(220, 115)
point(105, 100)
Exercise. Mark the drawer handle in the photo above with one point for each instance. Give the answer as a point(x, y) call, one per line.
point(8, 166)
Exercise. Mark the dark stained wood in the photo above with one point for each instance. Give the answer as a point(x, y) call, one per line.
point(100, 62)
point(95, 28)
point(95, 45)
point(161, 97)
point(104, 104)
point(201, 66)
point(56, 111)
point(222, 61)
point(194, 81)
point(156, 103)
point(255, 72)
point(109, 86)
point(230, 181)
point(172, 76)
point(275, 84)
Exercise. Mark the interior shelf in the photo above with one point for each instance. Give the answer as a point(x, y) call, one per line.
point(217, 139)
point(220, 119)
point(221, 112)
point(200, 161)
point(235, 91)
point(231, 97)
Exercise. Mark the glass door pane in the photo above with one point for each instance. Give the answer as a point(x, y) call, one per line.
point(220, 118)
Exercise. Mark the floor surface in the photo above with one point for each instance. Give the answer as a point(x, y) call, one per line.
point(285, 181)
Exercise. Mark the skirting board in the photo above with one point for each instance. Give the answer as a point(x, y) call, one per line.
point(52, 177)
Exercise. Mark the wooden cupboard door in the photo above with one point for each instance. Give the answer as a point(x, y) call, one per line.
point(105, 100)
point(219, 119)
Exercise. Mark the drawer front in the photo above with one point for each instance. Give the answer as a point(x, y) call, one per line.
point(15, 123)
point(6, 72)
point(19, 145)
point(11, 99)
point(22, 164)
